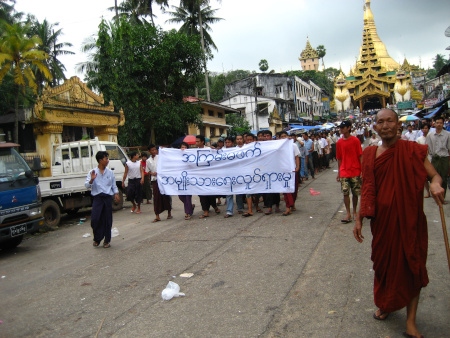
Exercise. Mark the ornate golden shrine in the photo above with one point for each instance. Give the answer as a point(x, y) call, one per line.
point(72, 104)
point(374, 75)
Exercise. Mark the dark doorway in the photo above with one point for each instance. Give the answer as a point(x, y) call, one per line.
point(372, 103)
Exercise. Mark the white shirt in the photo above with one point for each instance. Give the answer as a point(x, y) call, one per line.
point(134, 169)
point(411, 136)
point(151, 166)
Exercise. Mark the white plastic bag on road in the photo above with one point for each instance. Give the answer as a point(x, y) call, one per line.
point(114, 232)
point(172, 290)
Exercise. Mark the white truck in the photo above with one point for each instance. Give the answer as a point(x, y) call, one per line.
point(64, 190)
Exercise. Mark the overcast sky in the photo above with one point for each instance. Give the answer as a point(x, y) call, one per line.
point(277, 30)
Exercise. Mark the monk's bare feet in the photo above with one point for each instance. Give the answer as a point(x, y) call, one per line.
point(411, 329)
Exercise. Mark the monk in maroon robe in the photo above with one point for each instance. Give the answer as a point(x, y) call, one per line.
point(394, 175)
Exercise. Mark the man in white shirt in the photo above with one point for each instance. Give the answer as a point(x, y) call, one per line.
point(411, 135)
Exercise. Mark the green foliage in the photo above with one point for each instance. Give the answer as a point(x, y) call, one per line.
point(321, 51)
point(323, 79)
point(146, 72)
point(439, 61)
point(263, 65)
point(218, 82)
point(239, 124)
point(188, 16)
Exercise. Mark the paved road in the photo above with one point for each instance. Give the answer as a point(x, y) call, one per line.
point(271, 276)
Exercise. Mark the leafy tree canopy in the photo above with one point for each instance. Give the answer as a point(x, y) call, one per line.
point(263, 65)
point(239, 124)
point(147, 72)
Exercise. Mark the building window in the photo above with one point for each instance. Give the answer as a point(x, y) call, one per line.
point(212, 131)
point(210, 113)
point(221, 131)
point(220, 115)
point(278, 89)
point(203, 111)
point(245, 98)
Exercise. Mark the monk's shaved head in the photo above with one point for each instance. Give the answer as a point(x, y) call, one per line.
point(387, 110)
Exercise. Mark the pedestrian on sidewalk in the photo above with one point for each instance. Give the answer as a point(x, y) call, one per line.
point(392, 198)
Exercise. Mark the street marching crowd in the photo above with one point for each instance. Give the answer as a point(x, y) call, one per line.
point(397, 167)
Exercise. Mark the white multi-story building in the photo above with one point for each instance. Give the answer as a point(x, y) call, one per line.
point(262, 97)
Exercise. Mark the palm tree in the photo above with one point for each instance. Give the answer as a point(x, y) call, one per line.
point(191, 25)
point(50, 45)
point(137, 10)
point(18, 54)
point(194, 7)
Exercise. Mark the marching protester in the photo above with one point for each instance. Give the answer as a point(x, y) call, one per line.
point(206, 201)
point(394, 175)
point(135, 173)
point(103, 186)
point(161, 202)
point(147, 187)
point(348, 154)
point(186, 199)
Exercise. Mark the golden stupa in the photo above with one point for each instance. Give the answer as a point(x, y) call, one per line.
point(371, 81)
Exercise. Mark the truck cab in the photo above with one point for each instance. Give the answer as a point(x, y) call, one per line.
point(20, 198)
point(63, 191)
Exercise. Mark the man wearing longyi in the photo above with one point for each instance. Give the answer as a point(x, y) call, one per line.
point(394, 174)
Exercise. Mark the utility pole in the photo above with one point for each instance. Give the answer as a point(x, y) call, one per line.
point(256, 105)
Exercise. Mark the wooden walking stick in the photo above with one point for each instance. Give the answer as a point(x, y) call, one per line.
point(444, 229)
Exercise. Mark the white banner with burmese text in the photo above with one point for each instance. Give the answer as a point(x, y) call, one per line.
point(259, 167)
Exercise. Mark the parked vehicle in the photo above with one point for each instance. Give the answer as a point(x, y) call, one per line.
point(64, 191)
point(20, 198)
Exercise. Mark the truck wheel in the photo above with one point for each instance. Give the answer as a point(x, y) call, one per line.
point(51, 213)
point(72, 212)
point(11, 243)
point(119, 205)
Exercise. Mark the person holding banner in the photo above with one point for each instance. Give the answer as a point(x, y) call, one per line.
point(289, 198)
point(160, 202)
point(229, 198)
point(208, 200)
point(186, 199)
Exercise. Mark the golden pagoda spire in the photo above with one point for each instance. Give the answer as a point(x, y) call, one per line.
point(373, 49)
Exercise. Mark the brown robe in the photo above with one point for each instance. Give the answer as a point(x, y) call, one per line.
point(392, 197)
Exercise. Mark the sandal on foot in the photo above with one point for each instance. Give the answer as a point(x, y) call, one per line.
point(187, 217)
point(247, 215)
point(106, 245)
point(156, 220)
point(169, 217)
point(268, 213)
point(227, 216)
point(203, 216)
point(346, 221)
point(217, 211)
point(285, 214)
point(380, 316)
point(96, 243)
point(259, 210)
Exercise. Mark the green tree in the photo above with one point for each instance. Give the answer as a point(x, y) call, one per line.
point(439, 61)
point(52, 47)
point(19, 54)
point(321, 51)
point(239, 124)
point(134, 71)
point(192, 7)
point(137, 10)
point(263, 65)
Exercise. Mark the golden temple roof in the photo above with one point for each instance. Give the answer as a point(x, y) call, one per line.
point(308, 52)
point(373, 51)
